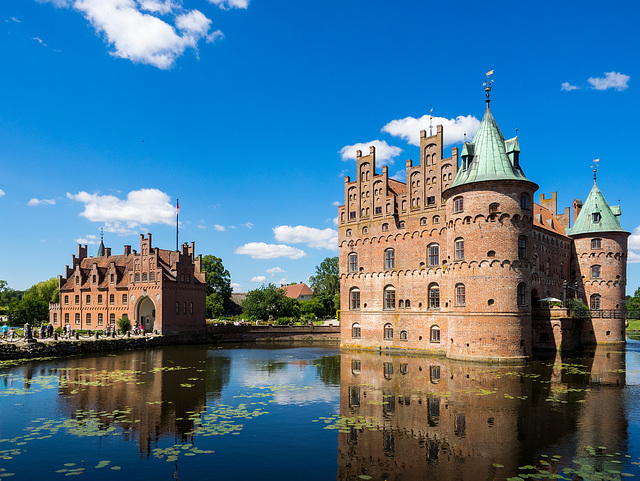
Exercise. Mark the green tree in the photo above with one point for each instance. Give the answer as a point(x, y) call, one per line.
point(47, 290)
point(31, 308)
point(312, 308)
point(7, 295)
point(633, 302)
point(124, 324)
point(215, 306)
point(218, 282)
point(268, 303)
point(326, 284)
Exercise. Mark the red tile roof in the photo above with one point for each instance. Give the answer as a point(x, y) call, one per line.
point(296, 290)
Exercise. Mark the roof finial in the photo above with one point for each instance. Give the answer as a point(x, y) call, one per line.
point(431, 121)
point(101, 234)
point(487, 86)
point(595, 168)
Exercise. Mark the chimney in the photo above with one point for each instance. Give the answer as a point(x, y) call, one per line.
point(127, 250)
point(107, 251)
point(577, 207)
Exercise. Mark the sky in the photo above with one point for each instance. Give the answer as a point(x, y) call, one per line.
point(250, 111)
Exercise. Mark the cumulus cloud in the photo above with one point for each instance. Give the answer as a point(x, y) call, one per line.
point(2, 193)
point(568, 87)
point(634, 239)
point(235, 287)
point(275, 270)
point(336, 203)
point(219, 227)
point(401, 175)
point(229, 4)
point(260, 250)
point(134, 32)
point(611, 80)
point(88, 239)
point(36, 202)
point(633, 258)
point(258, 279)
point(385, 153)
point(454, 129)
point(124, 216)
point(300, 234)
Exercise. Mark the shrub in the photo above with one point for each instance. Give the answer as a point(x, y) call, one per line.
point(124, 324)
point(577, 308)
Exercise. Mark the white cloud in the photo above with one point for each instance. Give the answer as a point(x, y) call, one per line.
point(401, 175)
point(336, 203)
point(300, 234)
point(213, 37)
point(611, 80)
point(335, 220)
point(282, 282)
point(200, 226)
point(260, 250)
point(235, 287)
point(123, 216)
point(136, 34)
point(385, 153)
point(275, 270)
point(2, 193)
point(35, 202)
point(88, 239)
point(568, 87)
point(634, 239)
point(228, 4)
point(15, 20)
point(219, 227)
point(633, 258)
point(454, 129)
point(258, 279)
point(39, 40)
point(248, 225)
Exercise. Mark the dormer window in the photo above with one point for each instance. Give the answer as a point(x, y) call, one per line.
point(596, 217)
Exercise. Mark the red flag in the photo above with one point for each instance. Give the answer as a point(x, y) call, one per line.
point(177, 206)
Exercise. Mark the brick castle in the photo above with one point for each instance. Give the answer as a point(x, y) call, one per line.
point(456, 260)
point(161, 289)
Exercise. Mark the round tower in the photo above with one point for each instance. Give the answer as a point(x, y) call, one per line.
point(599, 264)
point(489, 240)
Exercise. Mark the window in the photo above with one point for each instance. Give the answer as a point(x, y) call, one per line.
point(594, 302)
point(137, 277)
point(93, 279)
point(66, 318)
point(522, 247)
point(66, 299)
point(348, 232)
point(77, 280)
point(494, 208)
point(524, 201)
point(77, 299)
point(434, 374)
point(385, 227)
point(436, 219)
point(389, 259)
point(433, 254)
point(596, 217)
point(88, 299)
point(434, 334)
point(177, 308)
point(354, 298)
point(458, 205)
point(596, 243)
point(595, 272)
point(100, 319)
point(387, 369)
point(522, 294)
point(407, 303)
point(144, 277)
point(459, 249)
point(388, 332)
point(152, 276)
point(352, 215)
point(389, 297)
point(191, 307)
point(356, 333)
point(353, 262)
point(124, 298)
point(423, 221)
point(460, 295)
point(111, 279)
point(112, 318)
point(434, 296)
point(401, 224)
point(404, 336)
point(182, 277)
point(431, 200)
point(184, 307)
point(378, 210)
point(112, 298)
point(77, 318)
point(355, 363)
point(88, 319)
point(400, 304)
point(100, 299)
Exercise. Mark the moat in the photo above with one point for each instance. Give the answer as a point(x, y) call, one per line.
point(314, 412)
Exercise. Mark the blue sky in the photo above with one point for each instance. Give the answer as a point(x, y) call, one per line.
point(249, 112)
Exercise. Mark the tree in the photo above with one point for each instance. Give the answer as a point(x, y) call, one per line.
point(269, 303)
point(31, 308)
point(7, 295)
point(312, 308)
point(124, 324)
point(633, 302)
point(218, 286)
point(326, 284)
point(47, 290)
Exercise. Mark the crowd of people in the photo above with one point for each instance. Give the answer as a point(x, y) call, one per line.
point(45, 331)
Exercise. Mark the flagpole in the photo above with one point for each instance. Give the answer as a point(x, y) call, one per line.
point(177, 223)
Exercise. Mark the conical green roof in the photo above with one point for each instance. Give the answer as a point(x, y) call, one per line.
point(596, 215)
point(489, 156)
point(101, 250)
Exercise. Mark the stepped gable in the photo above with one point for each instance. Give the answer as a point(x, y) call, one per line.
point(596, 215)
point(489, 156)
point(544, 219)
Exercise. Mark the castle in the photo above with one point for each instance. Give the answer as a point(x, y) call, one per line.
point(161, 289)
point(456, 260)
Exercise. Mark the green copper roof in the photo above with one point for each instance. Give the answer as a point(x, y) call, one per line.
point(596, 215)
point(489, 156)
point(101, 249)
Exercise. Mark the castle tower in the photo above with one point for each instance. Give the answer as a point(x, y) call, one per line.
point(489, 209)
point(599, 267)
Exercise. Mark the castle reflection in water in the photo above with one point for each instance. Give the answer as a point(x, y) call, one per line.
point(440, 419)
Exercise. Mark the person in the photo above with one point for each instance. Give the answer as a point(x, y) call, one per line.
point(5, 329)
point(42, 331)
point(107, 331)
point(50, 330)
point(11, 334)
point(142, 329)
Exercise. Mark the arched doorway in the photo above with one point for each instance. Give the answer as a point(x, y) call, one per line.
point(146, 313)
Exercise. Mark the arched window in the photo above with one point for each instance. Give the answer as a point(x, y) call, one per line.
point(524, 201)
point(594, 302)
point(112, 299)
point(348, 232)
point(522, 247)
point(355, 331)
point(354, 298)
point(400, 304)
point(494, 208)
point(434, 335)
point(433, 254)
point(436, 219)
point(460, 295)
point(389, 297)
point(423, 221)
point(401, 224)
point(353, 262)
point(596, 243)
point(595, 272)
point(459, 249)
point(99, 298)
point(404, 335)
point(458, 205)
point(407, 304)
point(388, 332)
point(522, 294)
point(365, 230)
point(385, 227)
point(434, 296)
point(389, 259)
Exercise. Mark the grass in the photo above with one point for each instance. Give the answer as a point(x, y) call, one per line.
point(633, 324)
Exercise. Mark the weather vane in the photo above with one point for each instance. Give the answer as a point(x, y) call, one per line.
point(487, 85)
point(101, 234)
point(431, 121)
point(595, 168)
